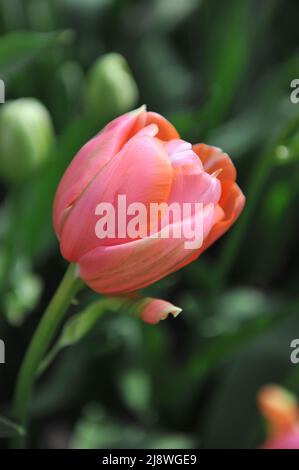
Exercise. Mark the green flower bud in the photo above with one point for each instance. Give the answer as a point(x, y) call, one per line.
point(111, 88)
point(26, 136)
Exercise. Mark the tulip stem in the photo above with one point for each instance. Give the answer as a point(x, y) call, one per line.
point(42, 337)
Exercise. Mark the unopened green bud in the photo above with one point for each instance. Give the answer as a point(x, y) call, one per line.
point(111, 88)
point(26, 136)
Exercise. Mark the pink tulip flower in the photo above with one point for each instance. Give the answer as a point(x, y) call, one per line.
point(141, 155)
point(281, 411)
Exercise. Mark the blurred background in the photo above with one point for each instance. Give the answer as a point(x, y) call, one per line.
point(221, 72)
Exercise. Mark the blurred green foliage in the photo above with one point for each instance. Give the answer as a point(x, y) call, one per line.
point(221, 72)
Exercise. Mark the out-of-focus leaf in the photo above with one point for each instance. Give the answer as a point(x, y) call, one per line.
point(88, 8)
point(66, 93)
point(234, 399)
point(258, 180)
point(21, 299)
point(13, 14)
point(80, 325)
point(228, 343)
point(220, 349)
point(10, 429)
point(271, 102)
point(236, 307)
point(136, 390)
point(116, 335)
point(271, 241)
point(165, 15)
point(18, 48)
point(96, 430)
point(41, 15)
point(227, 57)
point(21, 291)
point(171, 87)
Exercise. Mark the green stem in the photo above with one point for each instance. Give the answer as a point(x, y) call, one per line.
point(44, 333)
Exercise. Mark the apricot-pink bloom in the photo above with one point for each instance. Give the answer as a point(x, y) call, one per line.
point(140, 155)
point(281, 411)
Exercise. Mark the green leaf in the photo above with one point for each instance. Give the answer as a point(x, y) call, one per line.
point(227, 67)
point(23, 293)
point(10, 429)
point(96, 429)
point(166, 15)
point(80, 325)
point(18, 48)
point(226, 344)
point(136, 390)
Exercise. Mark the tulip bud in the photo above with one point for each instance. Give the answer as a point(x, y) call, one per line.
point(140, 156)
point(26, 135)
point(111, 88)
point(280, 409)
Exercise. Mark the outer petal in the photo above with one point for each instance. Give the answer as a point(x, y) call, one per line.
point(155, 310)
point(190, 182)
point(166, 130)
point(232, 199)
point(142, 155)
point(213, 159)
point(132, 266)
point(181, 153)
point(92, 157)
point(231, 203)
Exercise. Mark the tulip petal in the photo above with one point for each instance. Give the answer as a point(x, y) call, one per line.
point(214, 159)
point(280, 409)
point(288, 440)
point(232, 199)
point(228, 214)
point(155, 310)
point(191, 184)
point(91, 158)
point(134, 265)
point(181, 153)
point(231, 203)
point(142, 155)
point(166, 130)
point(194, 187)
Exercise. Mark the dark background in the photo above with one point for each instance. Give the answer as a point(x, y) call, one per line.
point(221, 72)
